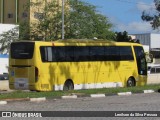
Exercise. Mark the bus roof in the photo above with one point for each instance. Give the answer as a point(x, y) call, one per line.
point(82, 41)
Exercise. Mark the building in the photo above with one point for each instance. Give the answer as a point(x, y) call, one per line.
point(13, 11)
point(151, 39)
point(16, 11)
point(4, 63)
point(27, 13)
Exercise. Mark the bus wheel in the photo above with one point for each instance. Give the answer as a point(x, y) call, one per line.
point(68, 85)
point(131, 82)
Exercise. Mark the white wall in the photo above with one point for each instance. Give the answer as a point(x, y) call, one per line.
point(151, 39)
point(144, 38)
point(3, 65)
point(155, 41)
point(6, 27)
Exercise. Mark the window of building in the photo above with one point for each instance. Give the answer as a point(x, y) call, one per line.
point(10, 15)
point(24, 15)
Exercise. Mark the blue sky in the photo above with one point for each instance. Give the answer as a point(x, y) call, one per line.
point(125, 15)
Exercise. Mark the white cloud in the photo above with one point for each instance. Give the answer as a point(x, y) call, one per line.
point(139, 26)
point(148, 8)
point(136, 27)
point(132, 27)
point(141, 6)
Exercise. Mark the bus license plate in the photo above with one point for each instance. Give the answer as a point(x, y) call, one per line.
point(21, 85)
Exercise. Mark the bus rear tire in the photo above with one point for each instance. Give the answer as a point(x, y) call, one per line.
point(68, 85)
point(131, 82)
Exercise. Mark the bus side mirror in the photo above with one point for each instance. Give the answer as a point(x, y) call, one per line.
point(149, 57)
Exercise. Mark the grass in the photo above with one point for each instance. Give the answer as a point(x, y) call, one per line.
point(55, 94)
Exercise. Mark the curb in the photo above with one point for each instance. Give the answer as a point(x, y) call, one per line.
point(72, 96)
point(69, 97)
point(38, 99)
point(3, 102)
point(97, 95)
point(148, 91)
point(124, 93)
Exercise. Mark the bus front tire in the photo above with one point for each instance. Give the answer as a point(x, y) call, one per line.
point(68, 85)
point(131, 82)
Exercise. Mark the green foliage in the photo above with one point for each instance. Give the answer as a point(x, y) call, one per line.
point(85, 22)
point(24, 32)
point(123, 37)
point(49, 21)
point(7, 37)
point(81, 21)
point(153, 18)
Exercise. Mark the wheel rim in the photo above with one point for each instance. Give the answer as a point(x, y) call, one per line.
point(130, 83)
point(68, 86)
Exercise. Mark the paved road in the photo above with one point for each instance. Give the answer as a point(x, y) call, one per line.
point(136, 102)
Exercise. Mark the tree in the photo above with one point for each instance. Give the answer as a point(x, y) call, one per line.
point(81, 21)
point(24, 31)
point(48, 23)
point(7, 37)
point(123, 37)
point(85, 22)
point(153, 18)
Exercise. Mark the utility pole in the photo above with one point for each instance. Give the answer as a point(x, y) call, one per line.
point(62, 19)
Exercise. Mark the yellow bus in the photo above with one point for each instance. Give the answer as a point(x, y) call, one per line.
point(75, 64)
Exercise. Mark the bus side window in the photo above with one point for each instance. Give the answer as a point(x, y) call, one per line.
point(81, 53)
point(59, 54)
point(126, 53)
point(49, 54)
point(46, 54)
point(112, 53)
point(69, 53)
point(97, 53)
point(43, 52)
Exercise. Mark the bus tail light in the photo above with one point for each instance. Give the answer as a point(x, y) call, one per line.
point(36, 74)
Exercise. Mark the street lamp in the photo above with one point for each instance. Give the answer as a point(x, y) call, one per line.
point(62, 19)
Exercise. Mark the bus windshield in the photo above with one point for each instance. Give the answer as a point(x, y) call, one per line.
point(141, 60)
point(22, 50)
